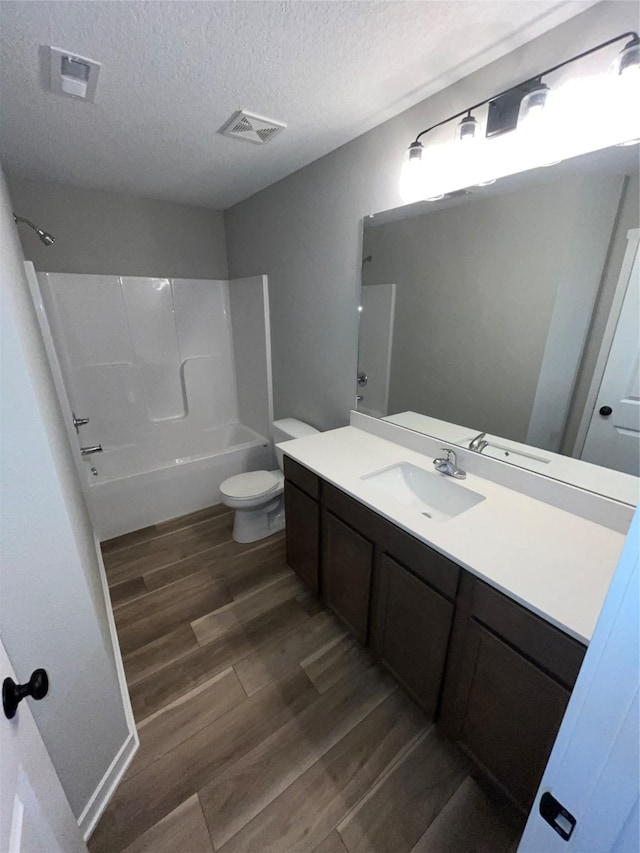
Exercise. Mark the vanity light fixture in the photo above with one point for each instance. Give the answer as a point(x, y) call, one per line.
point(533, 102)
point(628, 60)
point(519, 106)
point(467, 129)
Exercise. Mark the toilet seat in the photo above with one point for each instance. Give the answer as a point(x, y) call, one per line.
point(252, 485)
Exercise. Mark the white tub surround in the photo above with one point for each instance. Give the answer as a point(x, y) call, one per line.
point(151, 362)
point(122, 500)
point(552, 560)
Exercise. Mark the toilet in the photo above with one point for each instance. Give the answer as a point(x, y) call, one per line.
point(258, 496)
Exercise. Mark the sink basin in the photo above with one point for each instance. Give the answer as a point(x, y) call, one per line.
point(430, 493)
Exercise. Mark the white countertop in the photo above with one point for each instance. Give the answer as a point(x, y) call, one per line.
point(555, 563)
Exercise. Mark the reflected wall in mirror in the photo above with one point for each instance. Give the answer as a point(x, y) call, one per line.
point(512, 309)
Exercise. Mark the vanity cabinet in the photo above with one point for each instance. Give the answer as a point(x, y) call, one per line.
point(495, 676)
point(413, 624)
point(302, 510)
point(507, 684)
point(348, 550)
point(347, 564)
point(393, 592)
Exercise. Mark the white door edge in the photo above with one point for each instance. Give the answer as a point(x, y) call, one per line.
point(633, 242)
point(99, 800)
point(35, 813)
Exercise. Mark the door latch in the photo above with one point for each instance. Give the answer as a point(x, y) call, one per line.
point(557, 816)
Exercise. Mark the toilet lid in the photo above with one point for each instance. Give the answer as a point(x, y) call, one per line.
point(252, 484)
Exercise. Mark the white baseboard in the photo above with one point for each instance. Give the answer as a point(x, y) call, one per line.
point(100, 798)
point(115, 642)
point(106, 787)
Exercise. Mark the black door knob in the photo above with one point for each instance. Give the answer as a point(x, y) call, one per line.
point(605, 411)
point(12, 693)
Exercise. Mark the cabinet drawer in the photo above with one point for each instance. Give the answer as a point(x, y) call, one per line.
point(549, 647)
point(351, 511)
point(423, 561)
point(302, 477)
point(303, 534)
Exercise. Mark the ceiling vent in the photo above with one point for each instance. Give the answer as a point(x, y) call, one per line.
point(72, 75)
point(251, 127)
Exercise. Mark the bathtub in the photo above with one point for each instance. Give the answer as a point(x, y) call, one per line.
point(132, 487)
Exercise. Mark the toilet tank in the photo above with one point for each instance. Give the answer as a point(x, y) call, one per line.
point(288, 429)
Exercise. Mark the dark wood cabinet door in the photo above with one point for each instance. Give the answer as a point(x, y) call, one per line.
point(414, 623)
point(506, 711)
point(346, 574)
point(303, 534)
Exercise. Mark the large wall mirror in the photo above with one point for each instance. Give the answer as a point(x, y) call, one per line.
point(513, 310)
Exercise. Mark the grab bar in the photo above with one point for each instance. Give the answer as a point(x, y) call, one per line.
point(86, 451)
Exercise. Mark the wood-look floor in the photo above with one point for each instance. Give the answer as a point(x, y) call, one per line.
point(263, 725)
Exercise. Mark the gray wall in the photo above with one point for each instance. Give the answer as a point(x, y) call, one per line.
point(113, 234)
point(248, 300)
point(305, 231)
point(475, 296)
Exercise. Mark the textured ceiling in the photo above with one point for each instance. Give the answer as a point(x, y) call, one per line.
point(173, 72)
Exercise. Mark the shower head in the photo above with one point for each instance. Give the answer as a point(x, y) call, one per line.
point(46, 238)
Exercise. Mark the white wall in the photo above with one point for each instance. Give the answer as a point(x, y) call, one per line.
point(305, 231)
point(52, 609)
point(112, 233)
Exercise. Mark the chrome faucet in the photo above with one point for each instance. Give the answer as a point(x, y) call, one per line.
point(477, 443)
point(449, 465)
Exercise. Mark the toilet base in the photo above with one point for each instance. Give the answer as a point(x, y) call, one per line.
point(251, 525)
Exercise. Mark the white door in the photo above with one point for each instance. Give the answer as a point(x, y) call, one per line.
point(377, 308)
point(593, 768)
point(53, 607)
point(35, 816)
point(613, 437)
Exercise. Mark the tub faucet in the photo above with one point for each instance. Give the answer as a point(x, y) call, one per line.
point(477, 443)
point(449, 465)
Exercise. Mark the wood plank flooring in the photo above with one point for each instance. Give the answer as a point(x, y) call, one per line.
point(263, 725)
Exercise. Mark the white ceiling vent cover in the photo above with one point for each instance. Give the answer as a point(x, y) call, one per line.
point(251, 127)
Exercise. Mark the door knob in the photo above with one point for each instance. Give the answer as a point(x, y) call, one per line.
point(605, 411)
point(12, 694)
point(362, 379)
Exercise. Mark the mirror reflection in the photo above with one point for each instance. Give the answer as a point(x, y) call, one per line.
point(511, 310)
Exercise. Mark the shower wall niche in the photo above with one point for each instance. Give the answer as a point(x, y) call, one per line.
point(170, 373)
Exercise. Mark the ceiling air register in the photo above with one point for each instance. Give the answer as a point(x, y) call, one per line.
point(252, 128)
